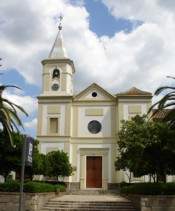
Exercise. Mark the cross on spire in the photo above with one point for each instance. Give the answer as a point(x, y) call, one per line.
point(60, 23)
point(58, 51)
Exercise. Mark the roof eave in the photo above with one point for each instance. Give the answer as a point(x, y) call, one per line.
point(137, 96)
point(63, 60)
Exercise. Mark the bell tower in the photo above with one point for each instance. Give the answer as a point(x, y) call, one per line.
point(58, 69)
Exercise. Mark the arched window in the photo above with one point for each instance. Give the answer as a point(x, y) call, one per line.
point(56, 73)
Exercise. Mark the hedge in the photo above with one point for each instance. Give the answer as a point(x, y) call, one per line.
point(31, 187)
point(149, 188)
point(10, 186)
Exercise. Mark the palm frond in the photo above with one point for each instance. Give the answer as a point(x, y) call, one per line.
point(167, 101)
point(163, 88)
point(9, 114)
point(2, 87)
point(167, 105)
point(15, 117)
point(170, 77)
point(13, 105)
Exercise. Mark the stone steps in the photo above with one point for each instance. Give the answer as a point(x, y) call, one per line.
point(87, 206)
point(92, 192)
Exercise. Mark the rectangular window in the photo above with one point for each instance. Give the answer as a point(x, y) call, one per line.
point(53, 125)
point(134, 110)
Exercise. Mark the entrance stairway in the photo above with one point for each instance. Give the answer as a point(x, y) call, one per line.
point(88, 203)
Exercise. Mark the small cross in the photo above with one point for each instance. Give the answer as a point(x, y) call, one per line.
point(60, 23)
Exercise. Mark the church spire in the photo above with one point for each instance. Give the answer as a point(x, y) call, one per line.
point(58, 51)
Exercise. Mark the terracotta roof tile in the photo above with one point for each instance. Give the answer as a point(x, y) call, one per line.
point(161, 114)
point(134, 91)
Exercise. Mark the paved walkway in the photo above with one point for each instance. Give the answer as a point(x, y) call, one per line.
point(96, 198)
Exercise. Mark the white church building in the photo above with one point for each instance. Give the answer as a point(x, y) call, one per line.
point(85, 125)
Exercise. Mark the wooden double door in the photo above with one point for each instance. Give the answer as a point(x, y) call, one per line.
point(93, 172)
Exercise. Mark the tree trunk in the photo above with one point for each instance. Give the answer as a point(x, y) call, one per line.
point(161, 177)
point(153, 176)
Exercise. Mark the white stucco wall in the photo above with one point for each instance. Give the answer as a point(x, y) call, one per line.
point(105, 121)
point(126, 109)
point(60, 116)
point(56, 146)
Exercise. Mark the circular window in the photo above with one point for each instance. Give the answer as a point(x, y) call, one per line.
point(94, 126)
point(94, 94)
point(55, 87)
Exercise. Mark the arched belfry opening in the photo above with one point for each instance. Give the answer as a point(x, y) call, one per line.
point(56, 74)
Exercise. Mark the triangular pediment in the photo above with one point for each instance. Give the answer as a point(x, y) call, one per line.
point(94, 92)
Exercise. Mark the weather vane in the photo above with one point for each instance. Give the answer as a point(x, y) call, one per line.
point(60, 23)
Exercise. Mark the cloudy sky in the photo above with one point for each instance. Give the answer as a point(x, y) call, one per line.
point(115, 43)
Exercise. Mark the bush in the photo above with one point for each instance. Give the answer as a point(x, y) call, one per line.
point(124, 184)
point(31, 187)
point(149, 189)
point(60, 187)
point(36, 187)
point(10, 186)
point(58, 164)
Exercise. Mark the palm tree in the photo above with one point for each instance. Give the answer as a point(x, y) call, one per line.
point(167, 101)
point(9, 118)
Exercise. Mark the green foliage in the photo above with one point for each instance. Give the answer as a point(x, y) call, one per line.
point(39, 187)
point(9, 118)
point(31, 187)
point(146, 147)
point(167, 101)
point(10, 186)
point(52, 164)
point(57, 163)
point(39, 166)
point(60, 188)
point(149, 189)
point(10, 158)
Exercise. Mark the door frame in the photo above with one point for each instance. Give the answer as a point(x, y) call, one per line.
point(101, 171)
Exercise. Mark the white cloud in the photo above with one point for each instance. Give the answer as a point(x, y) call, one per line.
point(145, 10)
point(140, 58)
point(147, 51)
point(28, 103)
point(31, 124)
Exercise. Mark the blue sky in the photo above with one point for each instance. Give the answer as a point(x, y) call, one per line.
point(102, 22)
point(114, 43)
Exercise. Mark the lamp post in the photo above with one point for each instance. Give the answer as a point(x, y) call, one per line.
point(27, 158)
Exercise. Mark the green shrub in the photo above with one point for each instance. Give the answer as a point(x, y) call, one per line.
point(124, 184)
point(31, 187)
point(39, 187)
point(149, 189)
point(169, 188)
point(10, 186)
point(58, 164)
point(60, 187)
